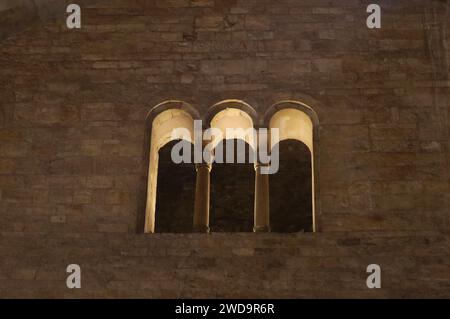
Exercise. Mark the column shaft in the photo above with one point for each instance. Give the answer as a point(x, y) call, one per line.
point(202, 201)
point(262, 217)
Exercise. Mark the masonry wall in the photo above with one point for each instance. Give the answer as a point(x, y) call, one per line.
point(73, 105)
point(326, 265)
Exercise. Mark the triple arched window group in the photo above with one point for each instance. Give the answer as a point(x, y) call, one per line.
point(235, 196)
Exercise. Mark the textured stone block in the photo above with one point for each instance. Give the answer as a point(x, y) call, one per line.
point(100, 182)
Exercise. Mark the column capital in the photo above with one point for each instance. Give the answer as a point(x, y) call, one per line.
point(203, 165)
point(258, 164)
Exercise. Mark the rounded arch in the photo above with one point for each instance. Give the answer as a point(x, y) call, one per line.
point(232, 123)
point(293, 124)
point(297, 121)
point(233, 104)
point(163, 119)
point(291, 104)
point(168, 105)
point(232, 201)
point(165, 124)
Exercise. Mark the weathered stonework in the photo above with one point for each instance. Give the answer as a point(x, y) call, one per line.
point(73, 145)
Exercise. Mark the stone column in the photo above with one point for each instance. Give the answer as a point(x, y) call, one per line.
point(202, 194)
point(262, 217)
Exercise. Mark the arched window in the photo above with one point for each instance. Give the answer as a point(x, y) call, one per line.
point(240, 188)
point(163, 125)
point(232, 179)
point(292, 199)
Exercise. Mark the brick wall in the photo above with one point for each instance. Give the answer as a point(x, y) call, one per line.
point(73, 145)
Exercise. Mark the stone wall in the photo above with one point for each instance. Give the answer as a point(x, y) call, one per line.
point(325, 265)
point(73, 140)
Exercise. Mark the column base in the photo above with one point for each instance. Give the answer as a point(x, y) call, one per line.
point(261, 229)
point(202, 230)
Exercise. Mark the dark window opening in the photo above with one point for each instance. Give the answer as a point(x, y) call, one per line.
point(175, 193)
point(232, 193)
point(291, 190)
